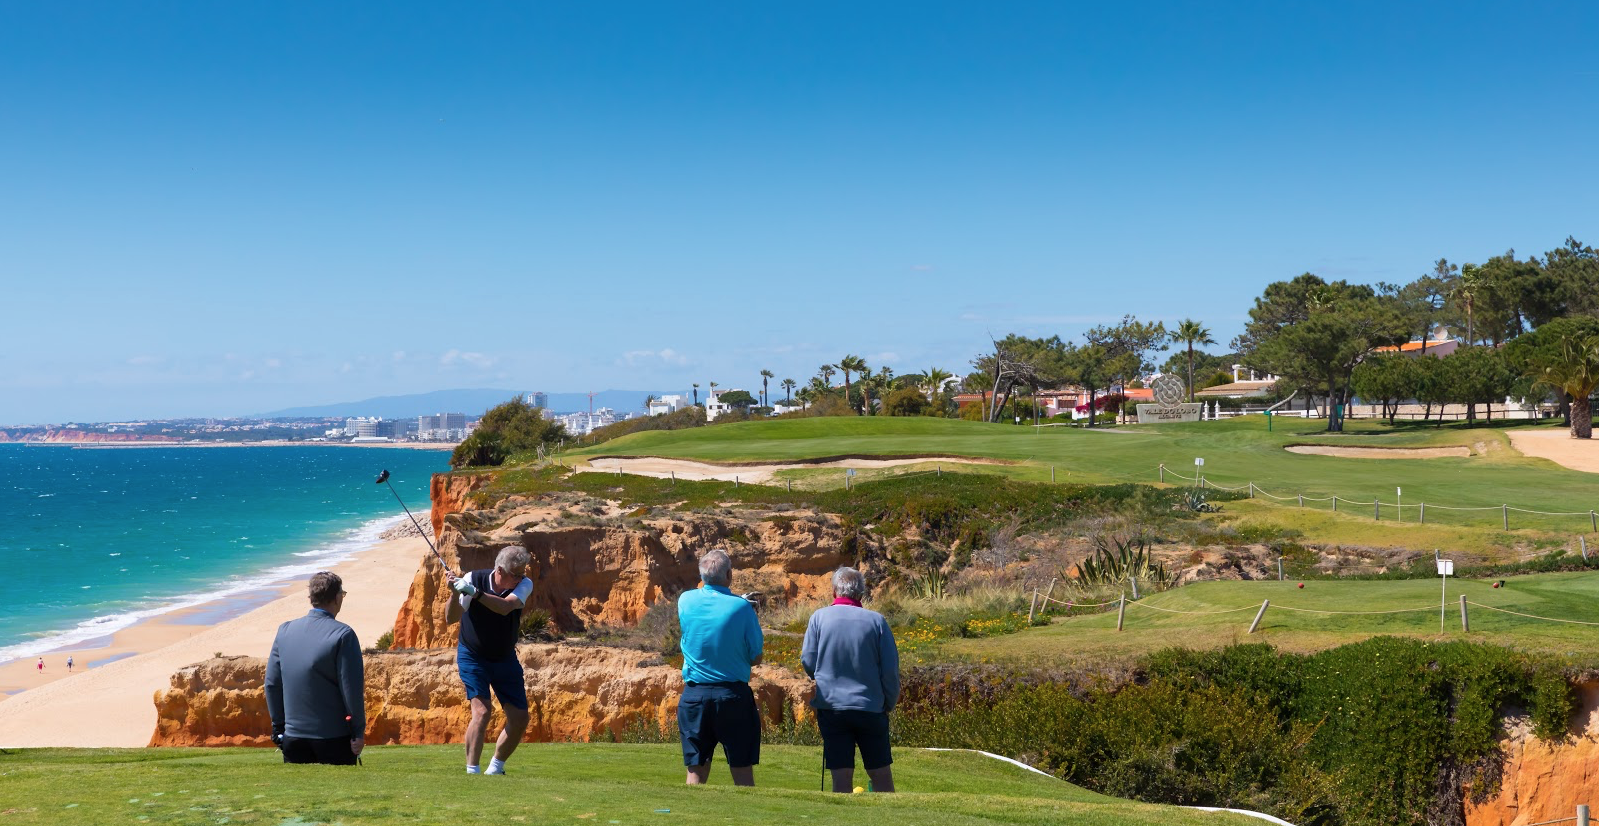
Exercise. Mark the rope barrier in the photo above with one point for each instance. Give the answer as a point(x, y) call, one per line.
point(1529, 616)
point(1048, 599)
point(1355, 613)
point(1174, 611)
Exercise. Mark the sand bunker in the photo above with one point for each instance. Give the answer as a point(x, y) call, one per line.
point(1380, 452)
point(1557, 446)
point(756, 474)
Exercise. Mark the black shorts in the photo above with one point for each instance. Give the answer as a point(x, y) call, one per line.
point(843, 730)
point(719, 713)
point(333, 751)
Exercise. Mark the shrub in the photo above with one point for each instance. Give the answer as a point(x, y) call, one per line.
point(512, 427)
point(536, 623)
point(906, 401)
point(385, 642)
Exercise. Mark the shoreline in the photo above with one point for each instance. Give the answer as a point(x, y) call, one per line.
point(107, 701)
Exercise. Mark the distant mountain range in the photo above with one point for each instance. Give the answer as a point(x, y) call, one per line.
point(470, 402)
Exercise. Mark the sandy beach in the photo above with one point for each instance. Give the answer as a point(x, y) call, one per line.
point(107, 700)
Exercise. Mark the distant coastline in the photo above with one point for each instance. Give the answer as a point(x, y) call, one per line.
point(89, 445)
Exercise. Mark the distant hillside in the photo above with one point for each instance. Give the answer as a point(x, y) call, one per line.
point(470, 402)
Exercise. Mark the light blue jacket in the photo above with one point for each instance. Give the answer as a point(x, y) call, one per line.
point(850, 652)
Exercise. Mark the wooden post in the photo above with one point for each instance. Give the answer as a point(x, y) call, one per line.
point(1032, 606)
point(1593, 520)
point(1506, 510)
point(1052, 474)
point(1121, 612)
point(1465, 624)
point(735, 481)
point(674, 478)
point(1376, 510)
point(1251, 490)
point(1335, 503)
point(1279, 569)
point(1163, 474)
point(1050, 595)
point(1258, 614)
point(1423, 513)
point(789, 483)
point(1301, 500)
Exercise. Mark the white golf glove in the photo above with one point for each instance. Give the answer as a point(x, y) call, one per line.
point(464, 587)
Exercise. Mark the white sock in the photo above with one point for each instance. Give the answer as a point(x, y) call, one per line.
point(471, 770)
point(496, 765)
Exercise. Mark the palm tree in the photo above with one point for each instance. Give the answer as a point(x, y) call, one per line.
point(696, 394)
point(1191, 332)
point(648, 400)
point(712, 393)
point(851, 364)
point(788, 390)
point(1568, 360)
point(935, 379)
point(1473, 280)
point(766, 375)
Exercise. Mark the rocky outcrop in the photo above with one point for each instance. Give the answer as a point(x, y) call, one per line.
point(449, 494)
point(1545, 780)
point(575, 693)
point(587, 576)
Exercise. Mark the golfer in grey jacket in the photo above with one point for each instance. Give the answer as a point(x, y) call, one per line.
point(315, 684)
point(850, 652)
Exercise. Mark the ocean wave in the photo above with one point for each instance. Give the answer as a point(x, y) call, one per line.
point(353, 542)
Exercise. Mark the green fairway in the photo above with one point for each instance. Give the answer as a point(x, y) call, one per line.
point(1236, 452)
point(1214, 614)
point(548, 783)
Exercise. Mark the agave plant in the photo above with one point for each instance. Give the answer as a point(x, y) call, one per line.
point(933, 585)
point(1196, 500)
point(1120, 558)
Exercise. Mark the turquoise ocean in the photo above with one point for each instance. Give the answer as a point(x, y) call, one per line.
point(94, 540)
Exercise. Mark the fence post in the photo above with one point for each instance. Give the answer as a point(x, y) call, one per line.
point(1376, 510)
point(1505, 509)
point(735, 482)
point(1582, 814)
point(1335, 503)
point(1050, 595)
point(1423, 513)
point(1251, 490)
point(1279, 569)
point(789, 483)
point(1301, 500)
point(1465, 624)
point(1593, 520)
point(1052, 474)
point(939, 470)
point(1032, 606)
point(1163, 473)
point(1258, 614)
point(674, 477)
point(1121, 611)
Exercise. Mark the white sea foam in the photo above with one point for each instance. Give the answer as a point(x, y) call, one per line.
point(353, 542)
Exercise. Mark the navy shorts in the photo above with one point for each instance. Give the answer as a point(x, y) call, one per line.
point(844, 730)
point(724, 713)
point(504, 676)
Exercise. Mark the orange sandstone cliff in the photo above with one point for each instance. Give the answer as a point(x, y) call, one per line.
point(1545, 780)
point(575, 693)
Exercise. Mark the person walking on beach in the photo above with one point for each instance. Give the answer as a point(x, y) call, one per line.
point(41, 665)
point(721, 640)
point(69, 663)
point(489, 606)
point(850, 652)
point(316, 684)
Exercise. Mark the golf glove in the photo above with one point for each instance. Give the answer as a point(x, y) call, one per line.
point(753, 598)
point(464, 587)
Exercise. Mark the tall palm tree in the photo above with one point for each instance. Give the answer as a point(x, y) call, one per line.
point(696, 393)
point(825, 372)
point(711, 394)
point(766, 375)
point(851, 364)
point(1191, 332)
point(788, 390)
point(1473, 280)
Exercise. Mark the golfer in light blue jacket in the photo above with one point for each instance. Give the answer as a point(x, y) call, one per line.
point(850, 652)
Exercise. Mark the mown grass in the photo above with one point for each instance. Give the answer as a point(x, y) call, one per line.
point(548, 783)
point(1094, 638)
point(1236, 452)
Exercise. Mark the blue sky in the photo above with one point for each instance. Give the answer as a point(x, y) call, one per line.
point(220, 208)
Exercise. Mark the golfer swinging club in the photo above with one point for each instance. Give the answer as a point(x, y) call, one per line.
point(489, 605)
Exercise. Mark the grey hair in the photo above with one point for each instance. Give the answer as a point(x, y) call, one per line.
point(716, 568)
point(848, 582)
point(512, 557)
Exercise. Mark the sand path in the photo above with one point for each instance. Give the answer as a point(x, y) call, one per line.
point(1557, 446)
point(112, 705)
point(754, 474)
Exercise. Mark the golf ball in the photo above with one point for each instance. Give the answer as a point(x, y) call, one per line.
point(860, 789)
point(1301, 584)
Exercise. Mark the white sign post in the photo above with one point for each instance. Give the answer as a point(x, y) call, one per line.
point(1446, 567)
point(1399, 502)
point(1198, 463)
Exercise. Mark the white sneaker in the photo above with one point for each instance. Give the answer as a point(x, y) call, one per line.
point(494, 770)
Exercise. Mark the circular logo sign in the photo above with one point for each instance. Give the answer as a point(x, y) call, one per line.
point(1169, 391)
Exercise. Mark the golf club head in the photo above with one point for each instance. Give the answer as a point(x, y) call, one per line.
point(382, 477)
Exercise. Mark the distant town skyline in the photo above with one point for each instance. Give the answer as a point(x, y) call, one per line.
point(222, 209)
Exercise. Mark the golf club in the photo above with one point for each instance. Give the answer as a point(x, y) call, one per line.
point(383, 479)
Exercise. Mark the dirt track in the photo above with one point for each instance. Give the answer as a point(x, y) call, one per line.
point(1557, 446)
point(1379, 452)
point(756, 474)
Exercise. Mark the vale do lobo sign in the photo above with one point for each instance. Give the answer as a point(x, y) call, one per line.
point(1169, 405)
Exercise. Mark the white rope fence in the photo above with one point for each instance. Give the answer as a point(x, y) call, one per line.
point(1377, 505)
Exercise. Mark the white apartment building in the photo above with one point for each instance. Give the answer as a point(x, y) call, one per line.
point(668, 404)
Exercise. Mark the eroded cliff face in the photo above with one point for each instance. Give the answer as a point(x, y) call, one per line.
point(575, 693)
point(77, 436)
point(1546, 780)
point(587, 576)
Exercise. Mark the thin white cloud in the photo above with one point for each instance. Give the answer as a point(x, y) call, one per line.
point(641, 358)
point(477, 360)
point(143, 361)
